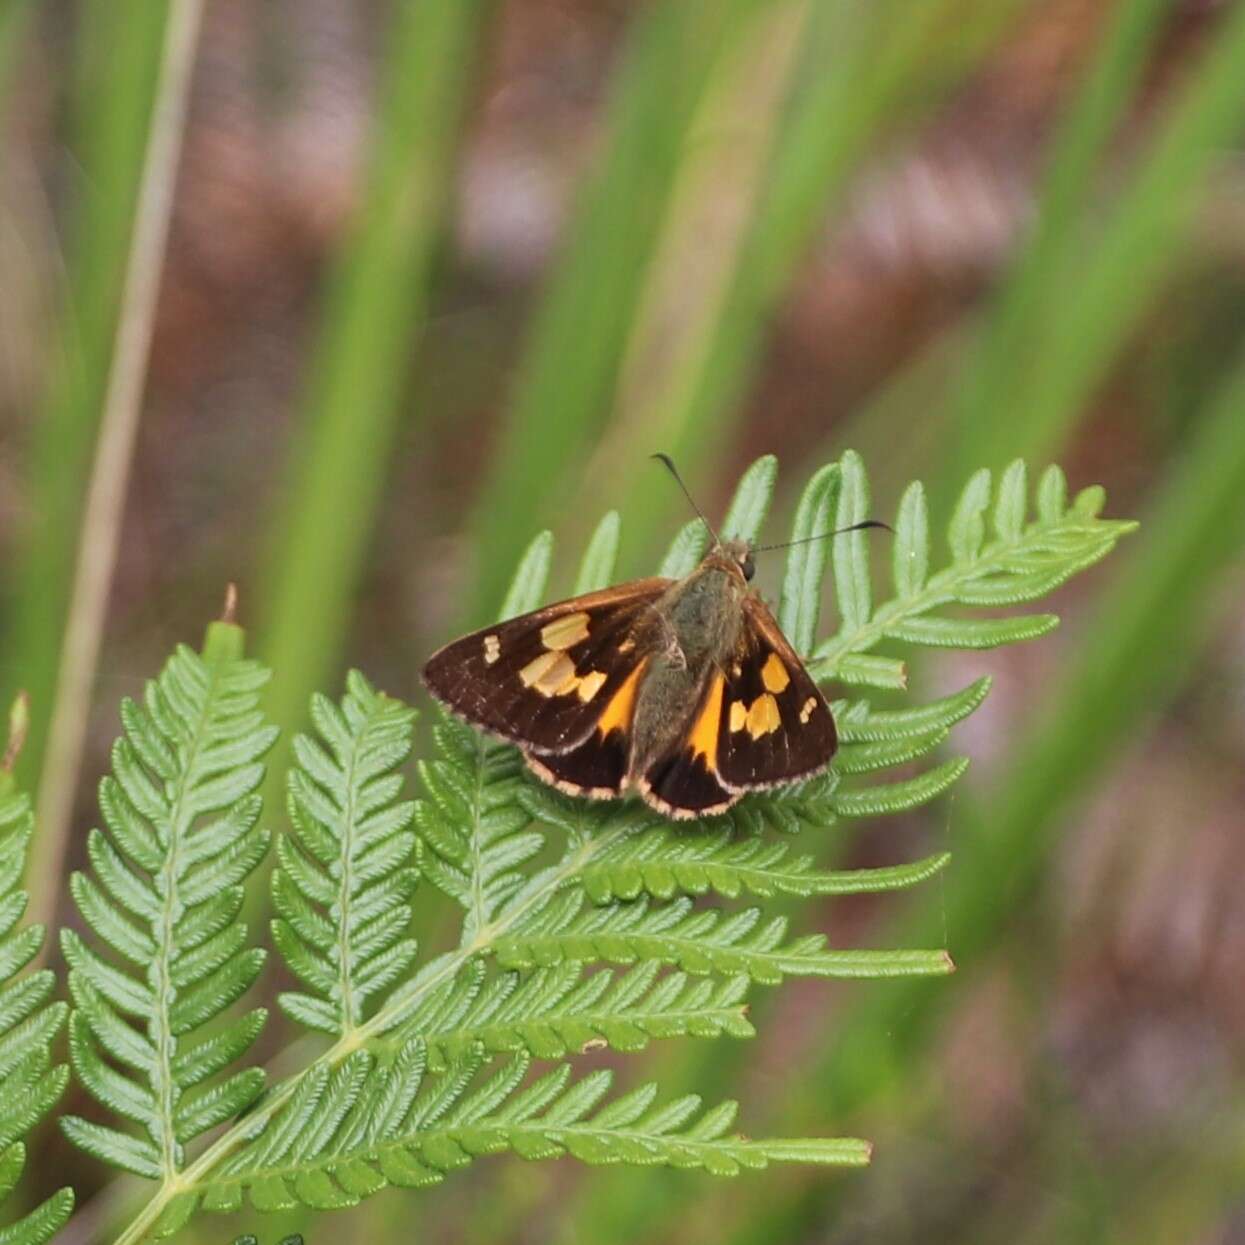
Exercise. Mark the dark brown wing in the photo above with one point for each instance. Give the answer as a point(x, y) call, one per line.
point(544, 680)
point(775, 725)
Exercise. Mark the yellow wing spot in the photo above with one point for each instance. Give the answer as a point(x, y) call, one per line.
point(590, 685)
point(774, 674)
point(703, 740)
point(617, 714)
point(492, 649)
point(739, 715)
point(565, 632)
point(763, 716)
point(627, 645)
point(806, 709)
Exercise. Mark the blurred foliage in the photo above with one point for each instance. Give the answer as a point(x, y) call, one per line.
point(949, 237)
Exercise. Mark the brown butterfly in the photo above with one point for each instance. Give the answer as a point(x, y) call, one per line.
point(684, 690)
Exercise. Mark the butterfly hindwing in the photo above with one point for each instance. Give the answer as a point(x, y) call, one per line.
point(597, 766)
point(774, 725)
point(684, 781)
point(544, 680)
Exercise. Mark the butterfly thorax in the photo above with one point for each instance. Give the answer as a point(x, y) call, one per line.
point(696, 627)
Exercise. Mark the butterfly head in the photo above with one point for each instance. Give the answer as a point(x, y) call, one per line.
point(739, 555)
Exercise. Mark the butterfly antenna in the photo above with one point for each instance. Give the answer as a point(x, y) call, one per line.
point(838, 531)
point(668, 463)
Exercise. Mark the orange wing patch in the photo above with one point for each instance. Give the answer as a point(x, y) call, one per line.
point(617, 714)
point(703, 740)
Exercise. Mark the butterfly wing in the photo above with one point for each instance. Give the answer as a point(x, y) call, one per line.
point(545, 680)
point(774, 724)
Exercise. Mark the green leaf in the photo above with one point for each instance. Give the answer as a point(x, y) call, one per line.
point(853, 590)
point(30, 1084)
point(799, 606)
point(597, 568)
point(750, 504)
point(353, 846)
point(685, 550)
point(910, 555)
point(527, 588)
point(972, 632)
point(183, 817)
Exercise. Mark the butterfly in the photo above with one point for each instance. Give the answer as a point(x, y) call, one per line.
point(684, 690)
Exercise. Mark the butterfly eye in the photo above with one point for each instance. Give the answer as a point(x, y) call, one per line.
point(747, 566)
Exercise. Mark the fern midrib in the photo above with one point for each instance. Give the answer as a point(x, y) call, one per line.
point(477, 912)
point(192, 1178)
point(939, 590)
point(783, 960)
point(166, 1041)
point(350, 1011)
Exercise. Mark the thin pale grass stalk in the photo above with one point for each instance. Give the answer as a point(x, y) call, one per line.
point(105, 504)
point(374, 311)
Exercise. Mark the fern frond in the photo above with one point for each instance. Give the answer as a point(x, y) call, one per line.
point(669, 862)
point(582, 924)
point(30, 1083)
point(345, 878)
point(998, 557)
point(170, 955)
point(697, 940)
point(351, 1132)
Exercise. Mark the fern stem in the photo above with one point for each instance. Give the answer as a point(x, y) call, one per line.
point(399, 1005)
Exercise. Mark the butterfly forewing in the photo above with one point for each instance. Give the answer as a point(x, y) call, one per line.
point(544, 680)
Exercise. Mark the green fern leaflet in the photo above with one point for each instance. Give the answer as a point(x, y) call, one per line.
point(29, 1082)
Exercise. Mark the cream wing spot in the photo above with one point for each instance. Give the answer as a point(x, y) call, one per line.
point(537, 668)
point(559, 678)
point(806, 709)
point(492, 649)
point(739, 716)
point(565, 632)
point(551, 674)
point(774, 674)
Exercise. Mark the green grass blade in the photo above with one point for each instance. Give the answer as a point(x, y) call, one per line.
point(116, 65)
point(1094, 292)
point(375, 307)
point(567, 377)
point(1029, 293)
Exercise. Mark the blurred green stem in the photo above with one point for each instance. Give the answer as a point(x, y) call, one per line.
point(116, 68)
point(105, 501)
point(375, 308)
